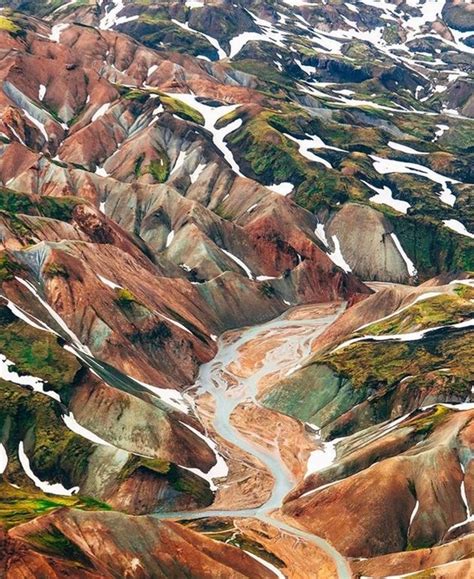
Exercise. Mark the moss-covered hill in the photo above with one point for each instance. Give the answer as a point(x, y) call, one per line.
point(356, 385)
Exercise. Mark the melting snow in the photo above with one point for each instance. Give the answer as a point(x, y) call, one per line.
point(312, 142)
point(412, 272)
point(440, 132)
point(219, 470)
point(101, 172)
point(100, 112)
point(194, 176)
point(57, 30)
point(109, 283)
point(41, 92)
point(151, 70)
point(385, 197)
point(211, 116)
point(322, 457)
point(46, 487)
point(239, 262)
point(74, 426)
point(458, 227)
point(284, 188)
point(3, 459)
point(169, 238)
point(179, 161)
point(16, 134)
point(337, 257)
point(408, 337)
point(266, 564)
point(404, 149)
point(321, 233)
point(413, 514)
point(384, 166)
point(345, 92)
point(112, 18)
point(420, 298)
point(213, 41)
point(75, 340)
point(37, 384)
point(37, 124)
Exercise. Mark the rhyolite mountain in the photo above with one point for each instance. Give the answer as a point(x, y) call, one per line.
point(236, 256)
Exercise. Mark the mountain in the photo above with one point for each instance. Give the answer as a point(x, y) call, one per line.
point(236, 256)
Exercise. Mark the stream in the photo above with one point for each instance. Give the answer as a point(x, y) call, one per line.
point(290, 341)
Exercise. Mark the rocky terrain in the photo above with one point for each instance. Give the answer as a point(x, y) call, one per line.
point(236, 288)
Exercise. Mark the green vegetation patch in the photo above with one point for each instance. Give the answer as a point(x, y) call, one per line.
point(8, 25)
point(8, 267)
point(55, 452)
point(37, 353)
point(53, 542)
point(336, 382)
point(60, 208)
point(19, 506)
point(434, 248)
point(159, 168)
point(125, 298)
point(182, 109)
point(436, 311)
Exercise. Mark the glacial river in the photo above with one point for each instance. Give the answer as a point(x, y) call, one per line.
point(290, 343)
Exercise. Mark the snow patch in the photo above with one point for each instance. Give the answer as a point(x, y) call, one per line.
point(337, 257)
point(212, 41)
point(267, 564)
point(109, 283)
point(46, 487)
point(75, 427)
point(323, 457)
point(3, 459)
point(458, 227)
point(57, 30)
point(219, 470)
point(169, 238)
point(404, 149)
point(284, 188)
point(194, 176)
point(385, 197)
point(37, 124)
point(211, 117)
point(412, 272)
point(384, 166)
point(239, 262)
point(100, 112)
point(37, 384)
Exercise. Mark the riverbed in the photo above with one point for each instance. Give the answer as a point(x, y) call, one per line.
point(272, 349)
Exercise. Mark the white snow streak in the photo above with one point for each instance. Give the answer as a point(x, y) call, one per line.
point(37, 384)
point(46, 487)
point(219, 470)
point(458, 227)
point(75, 427)
point(239, 262)
point(412, 272)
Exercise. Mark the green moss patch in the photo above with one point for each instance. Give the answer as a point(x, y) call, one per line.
point(182, 109)
point(37, 354)
point(440, 310)
point(60, 208)
point(8, 25)
point(19, 506)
